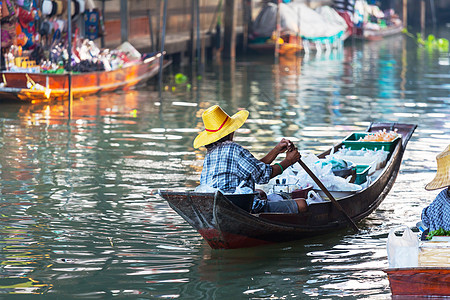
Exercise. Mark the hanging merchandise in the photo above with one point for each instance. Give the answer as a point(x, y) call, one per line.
point(90, 5)
point(5, 11)
point(91, 26)
point(49, 8)
point(25, 4)
point(59, 7)
point(25, 16)
point(10, 7)
point(8, 32)
point(35, 38)
point(78, 8)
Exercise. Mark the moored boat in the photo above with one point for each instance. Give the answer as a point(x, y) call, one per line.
point(224, 225)
point(377, 34)
point(28, 87)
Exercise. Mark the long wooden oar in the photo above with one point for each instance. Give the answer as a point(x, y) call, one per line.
point(325, 190)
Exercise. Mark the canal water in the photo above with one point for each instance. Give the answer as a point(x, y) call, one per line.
point(79, 212)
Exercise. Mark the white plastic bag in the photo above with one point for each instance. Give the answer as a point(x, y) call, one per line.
point(313, 197)
point(243, 189)
point(204, 188)
point(403, 251)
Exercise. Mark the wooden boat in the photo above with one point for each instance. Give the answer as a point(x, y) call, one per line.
point(55, 86)
point(291, 45)
point(373, 35)
point(224, 225)
point(419, 282)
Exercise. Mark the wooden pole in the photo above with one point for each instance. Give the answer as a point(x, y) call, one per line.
point(69, 51)
point(325, 190)
point(422, 18)
point(1, 52)
point(192, 31)
point(102, 39)
point(247, 10)
point(277, 31)
point(163, 38)
point(150, 25)
point(229, 44)
point(158, 36)
point(198, 37)
point(405, 13)
point(433, 13)
point(124, 20)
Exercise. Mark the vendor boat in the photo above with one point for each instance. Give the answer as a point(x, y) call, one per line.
point(377, 34)
point(31, 87)
point(419, 281)
point(426, 275)
point(225, 225)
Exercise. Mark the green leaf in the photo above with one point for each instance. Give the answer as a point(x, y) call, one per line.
point(438, 232)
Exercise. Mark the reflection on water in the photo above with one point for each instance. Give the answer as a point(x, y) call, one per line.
point(79, 214)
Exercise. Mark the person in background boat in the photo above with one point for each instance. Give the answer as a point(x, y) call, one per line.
point(437, 214)
point(228, 165)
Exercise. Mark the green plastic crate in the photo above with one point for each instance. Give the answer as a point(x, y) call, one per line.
point(361, 173)
point(352, 142)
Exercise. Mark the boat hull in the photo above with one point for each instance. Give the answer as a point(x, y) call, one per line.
point(419, 282)
point(225, 226)
point(374, 35)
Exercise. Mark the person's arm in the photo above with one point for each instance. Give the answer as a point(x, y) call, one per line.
point(281, 147)
point(292, 157)
point(425, 218)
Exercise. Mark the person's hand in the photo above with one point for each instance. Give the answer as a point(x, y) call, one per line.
point(292, 155)
point(284, 145)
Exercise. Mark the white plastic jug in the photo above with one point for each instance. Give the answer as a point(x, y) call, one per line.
point(403, 251)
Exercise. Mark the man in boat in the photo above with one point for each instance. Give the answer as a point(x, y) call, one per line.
point(437, 214)
point(228, 165)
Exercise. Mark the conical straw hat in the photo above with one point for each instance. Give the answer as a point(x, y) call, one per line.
point(442, 178)
point(218, 125)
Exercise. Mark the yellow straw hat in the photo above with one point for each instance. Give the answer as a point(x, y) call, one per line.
point(442, 178)
point(218, 125)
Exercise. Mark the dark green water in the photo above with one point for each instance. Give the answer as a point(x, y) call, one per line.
point(78, 212)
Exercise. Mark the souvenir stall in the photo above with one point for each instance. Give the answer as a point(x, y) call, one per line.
point(34, 33)
point(35, 43)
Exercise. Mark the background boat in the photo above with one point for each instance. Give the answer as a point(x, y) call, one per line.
point(48, 87)
point(300, 28)
point(372, 34)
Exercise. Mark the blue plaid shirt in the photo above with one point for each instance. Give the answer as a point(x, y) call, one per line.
point(226, 166)
point(437, 214)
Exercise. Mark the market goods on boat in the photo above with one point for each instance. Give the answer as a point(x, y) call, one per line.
point(42, 60)
point(224, 225)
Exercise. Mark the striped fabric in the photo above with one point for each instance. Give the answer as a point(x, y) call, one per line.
point(229, 164)
point(344, 5)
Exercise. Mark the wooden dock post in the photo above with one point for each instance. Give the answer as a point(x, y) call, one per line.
point(192, 32)
point(124, 20)
point(102, 39)
point(247, 10)
point(405, 13)
point(422, 18)
point(229, 44)
point(150, 25)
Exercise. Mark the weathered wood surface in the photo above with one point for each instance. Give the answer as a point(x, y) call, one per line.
point(413, 282)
